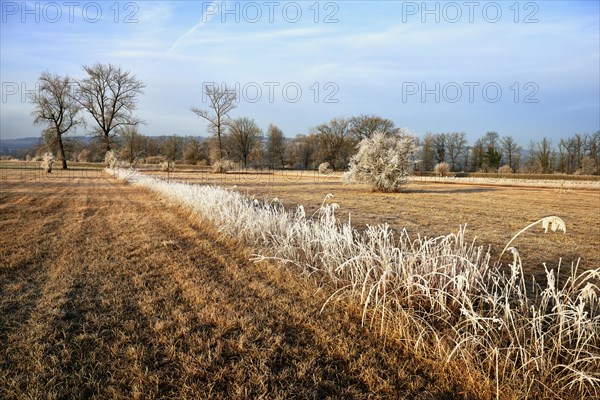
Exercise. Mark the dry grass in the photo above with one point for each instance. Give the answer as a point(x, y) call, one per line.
point(441, 298)
point(492, 213)
point(105, 292)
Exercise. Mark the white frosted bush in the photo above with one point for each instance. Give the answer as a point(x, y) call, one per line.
point(505, 169)
point(384, 162)
point(441, 169)
point(167, 166)
point(47, 161)
point(223, 166)
point(325, 168)
point(110, 159)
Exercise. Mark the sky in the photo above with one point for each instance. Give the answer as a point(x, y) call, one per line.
point(526, 69)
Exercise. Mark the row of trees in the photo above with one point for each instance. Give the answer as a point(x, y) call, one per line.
point(107, 93)
point(109, 96)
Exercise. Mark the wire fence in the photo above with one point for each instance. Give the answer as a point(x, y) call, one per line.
point(15, 172)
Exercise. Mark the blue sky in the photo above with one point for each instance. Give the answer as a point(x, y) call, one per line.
point(527, 69)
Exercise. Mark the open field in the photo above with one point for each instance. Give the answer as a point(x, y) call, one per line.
point(107, 293)
point(492, 213)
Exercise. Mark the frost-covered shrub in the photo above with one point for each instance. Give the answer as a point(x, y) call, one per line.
point(384, 162)
point(47, 161)
point(167, 166)
point(154, 159)
point(223, 166)
point(110, 159)
point(325, 168)
point(442, 169)
point(505, 169)
point(83, 156)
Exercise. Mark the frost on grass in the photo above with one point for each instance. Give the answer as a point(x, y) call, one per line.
point(441, 298)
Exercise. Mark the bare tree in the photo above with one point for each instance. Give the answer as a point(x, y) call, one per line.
point(109, 94)
point(276, 146)
point(455, 144)
point(57, 108)
point(243, 135)
point(478, 155)
point(172, 148)
point(303, 150)
point(336, 142)
point(441, 146)
point(222, 101)
point(132, 144)
point(427, 153)
point(195, 150)
point(510, 150)
point(593, 149)
point(541, 154)
point(364, 126)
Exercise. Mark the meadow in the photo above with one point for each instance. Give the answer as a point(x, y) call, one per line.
point(158, 288)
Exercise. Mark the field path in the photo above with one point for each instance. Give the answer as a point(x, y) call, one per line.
point(107, 292)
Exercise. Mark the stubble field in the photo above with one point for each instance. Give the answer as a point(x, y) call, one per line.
point(106, 291)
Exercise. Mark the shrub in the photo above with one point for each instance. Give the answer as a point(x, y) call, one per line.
point(154, 159)
point(325, 168)
point(83, 156)
point(110, 159)
point(442, 169)
point(384, 162)
point(47, 162)
point(167, 166)
point(505, 169)
point(223, 166)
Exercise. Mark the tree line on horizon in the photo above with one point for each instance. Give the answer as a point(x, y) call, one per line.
point(108, 94)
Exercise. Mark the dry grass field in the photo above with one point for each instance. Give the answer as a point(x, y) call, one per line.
point(106, 292)
point(491, 213)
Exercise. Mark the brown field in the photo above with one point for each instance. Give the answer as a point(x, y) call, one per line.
point(493, 214)
point(106, 292)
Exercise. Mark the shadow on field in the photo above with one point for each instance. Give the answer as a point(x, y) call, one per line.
point(449, 191)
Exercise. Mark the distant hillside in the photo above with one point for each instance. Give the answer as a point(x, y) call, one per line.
point(12, 146)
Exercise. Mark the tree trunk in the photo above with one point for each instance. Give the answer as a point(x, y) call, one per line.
point(61, 148)
point(107, 141)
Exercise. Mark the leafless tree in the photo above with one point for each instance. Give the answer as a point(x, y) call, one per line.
point(336, 141)
point(132, 144)
point(593, 149)
point(243, 135)
point(510, 150)
point(172, 148)
point(364, 126)
point(455, 144)
point(427, 153)
point(222, 101)
point(195, 150)
point(109, 94)
point(542, 155)
point(57, 108)
point(303, 150)
point(276, 146)
point(441, 146)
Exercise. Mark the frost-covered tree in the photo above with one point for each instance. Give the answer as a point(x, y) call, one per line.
point(442, 169)
point(384, 162)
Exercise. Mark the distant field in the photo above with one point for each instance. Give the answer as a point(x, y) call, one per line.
point(491, 212)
